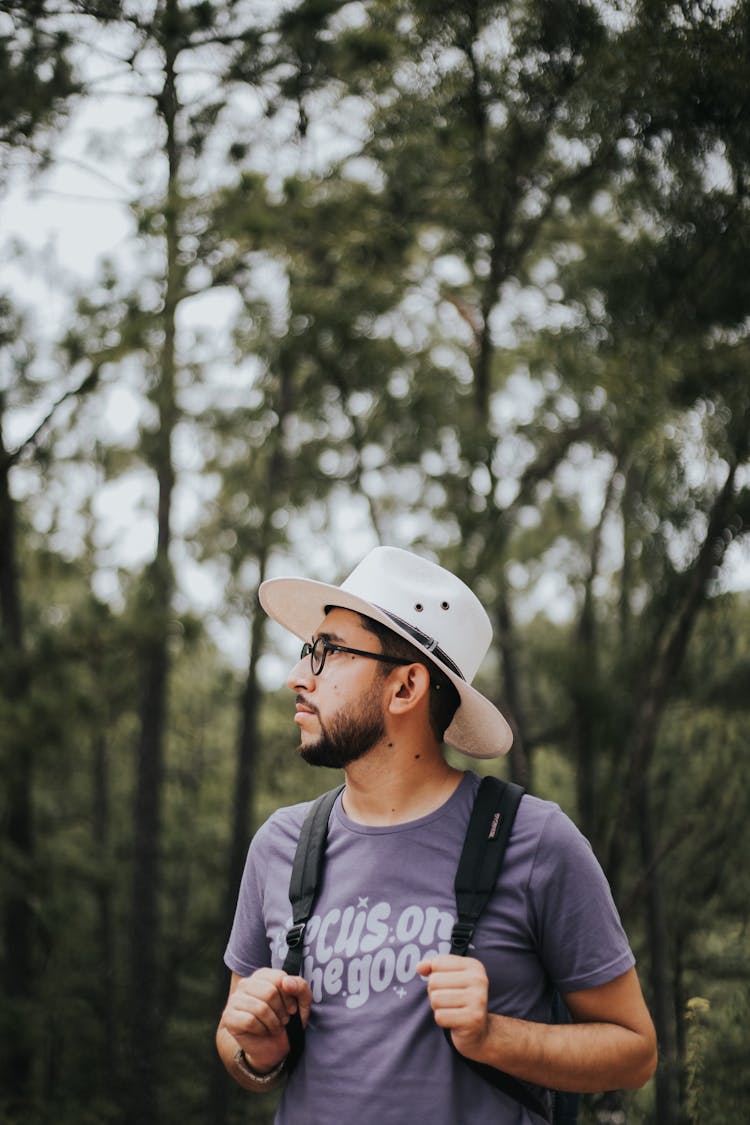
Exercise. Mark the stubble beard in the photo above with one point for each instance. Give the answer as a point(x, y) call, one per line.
point(347, 737)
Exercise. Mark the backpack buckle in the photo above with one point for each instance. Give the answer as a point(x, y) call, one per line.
point(294, 935)
point(461, 935)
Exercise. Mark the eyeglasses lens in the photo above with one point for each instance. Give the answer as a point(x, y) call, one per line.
point(317, 654)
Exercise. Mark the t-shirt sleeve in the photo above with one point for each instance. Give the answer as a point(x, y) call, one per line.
point(581, 939)
point(248, 948)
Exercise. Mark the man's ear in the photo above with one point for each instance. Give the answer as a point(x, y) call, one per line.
point(411, 685)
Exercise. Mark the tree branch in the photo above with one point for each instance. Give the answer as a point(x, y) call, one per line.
point(85, 387)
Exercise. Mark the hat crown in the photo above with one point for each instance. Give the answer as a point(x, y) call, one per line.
point(427, 598)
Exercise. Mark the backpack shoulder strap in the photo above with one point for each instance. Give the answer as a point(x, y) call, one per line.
point(307, 868)
point(486, 839)
point(487, 835)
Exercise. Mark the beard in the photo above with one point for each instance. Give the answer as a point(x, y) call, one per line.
point(346, 738)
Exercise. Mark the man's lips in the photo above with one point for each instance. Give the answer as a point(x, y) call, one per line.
point(303, 708)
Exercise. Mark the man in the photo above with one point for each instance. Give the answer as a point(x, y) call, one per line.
point(384, 677)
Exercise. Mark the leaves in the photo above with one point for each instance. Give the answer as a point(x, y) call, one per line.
point(483, 291)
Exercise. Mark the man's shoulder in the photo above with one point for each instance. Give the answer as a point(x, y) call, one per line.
point(547, 821)
point(540, 810)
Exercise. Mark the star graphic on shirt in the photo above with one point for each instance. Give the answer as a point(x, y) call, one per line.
point(400, 992)
point(362, 904)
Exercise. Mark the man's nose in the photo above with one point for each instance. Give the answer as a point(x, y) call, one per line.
point(301, 675)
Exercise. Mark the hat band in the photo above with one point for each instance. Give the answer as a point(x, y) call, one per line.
point(425, 641)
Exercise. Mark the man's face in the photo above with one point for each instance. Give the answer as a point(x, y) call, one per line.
point(340, 712)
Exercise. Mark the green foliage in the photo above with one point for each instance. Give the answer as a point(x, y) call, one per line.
point(37, 77)
point(503, 319)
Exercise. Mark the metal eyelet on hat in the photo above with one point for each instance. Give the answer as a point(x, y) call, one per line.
point(419, 607)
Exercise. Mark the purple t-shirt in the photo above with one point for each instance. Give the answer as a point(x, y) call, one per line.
point(373, 1053)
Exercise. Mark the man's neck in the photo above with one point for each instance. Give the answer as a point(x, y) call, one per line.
point(395, 784)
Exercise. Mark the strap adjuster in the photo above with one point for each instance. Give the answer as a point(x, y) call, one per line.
point(461, 935)
point(294, 935)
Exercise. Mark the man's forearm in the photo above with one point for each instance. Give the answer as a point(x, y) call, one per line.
point(582, 1057)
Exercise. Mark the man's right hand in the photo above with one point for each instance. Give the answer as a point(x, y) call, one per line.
point(258, 1010)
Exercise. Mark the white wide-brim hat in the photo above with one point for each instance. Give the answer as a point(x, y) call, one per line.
point(424, 604)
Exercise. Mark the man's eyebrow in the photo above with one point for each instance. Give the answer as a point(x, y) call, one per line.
point(333, 637)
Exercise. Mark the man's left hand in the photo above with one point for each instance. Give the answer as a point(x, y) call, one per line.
point(458, 988)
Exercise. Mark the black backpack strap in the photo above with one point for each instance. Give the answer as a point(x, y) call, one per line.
point(303, 888)
point(487, 835)
point(484, 847)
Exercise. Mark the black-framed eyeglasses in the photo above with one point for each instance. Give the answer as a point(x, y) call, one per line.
point(319, 649)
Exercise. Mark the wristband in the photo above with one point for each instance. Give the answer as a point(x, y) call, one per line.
point(240, 1061)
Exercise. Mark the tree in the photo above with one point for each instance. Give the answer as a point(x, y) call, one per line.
point(37, 80)
point(488, 275)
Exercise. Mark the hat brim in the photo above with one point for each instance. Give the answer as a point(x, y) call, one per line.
point(300, 604)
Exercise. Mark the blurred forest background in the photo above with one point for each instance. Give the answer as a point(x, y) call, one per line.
point(469, 277)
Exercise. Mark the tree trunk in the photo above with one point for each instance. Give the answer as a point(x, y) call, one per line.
point(249, 735)
point(587, 678)
point(662, 665)
point(247, 760)
point(146, 1014)
point(17, 826)
point(662, 984)
point(520, 767)
point(584, 725)
point(105, 924)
